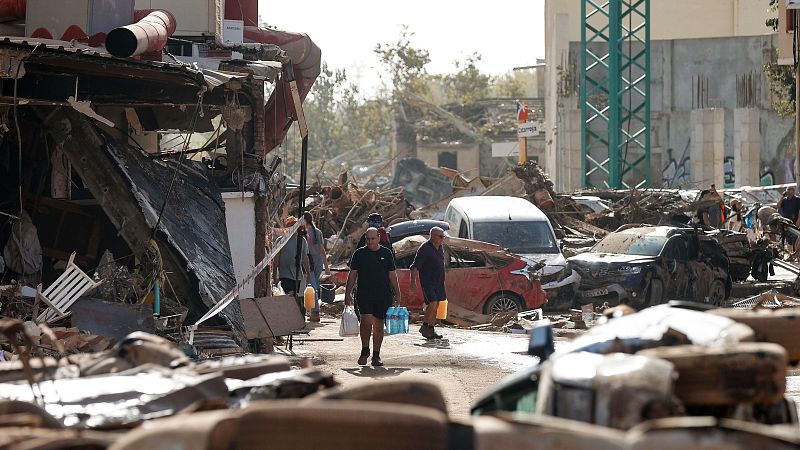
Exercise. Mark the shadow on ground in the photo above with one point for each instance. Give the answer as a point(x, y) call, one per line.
point(375, 372)
point(435, 343)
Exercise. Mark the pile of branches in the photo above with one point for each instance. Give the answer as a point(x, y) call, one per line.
point(341, 211)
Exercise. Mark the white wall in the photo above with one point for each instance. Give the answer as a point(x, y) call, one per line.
point(669, 20)
point(240, 219)
point(684, 19)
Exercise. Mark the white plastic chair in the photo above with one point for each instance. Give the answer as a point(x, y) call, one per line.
point(68, 288)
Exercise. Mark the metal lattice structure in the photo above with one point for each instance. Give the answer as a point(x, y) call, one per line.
point(615, 93)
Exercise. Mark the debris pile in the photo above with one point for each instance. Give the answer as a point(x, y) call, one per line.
point(140, 378)
point(340, 211)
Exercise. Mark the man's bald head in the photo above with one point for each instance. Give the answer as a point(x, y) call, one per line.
point(373, 241)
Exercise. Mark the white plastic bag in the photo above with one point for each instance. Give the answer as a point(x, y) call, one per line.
point(349, 325)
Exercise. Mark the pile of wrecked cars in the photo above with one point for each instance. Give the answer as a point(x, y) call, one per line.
point(677, 375)
point(643, 265)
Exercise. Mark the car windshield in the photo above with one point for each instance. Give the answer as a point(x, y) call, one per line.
point(631, 244)
point(519, 237)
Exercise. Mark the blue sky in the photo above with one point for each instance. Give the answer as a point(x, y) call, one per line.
point(506, 33)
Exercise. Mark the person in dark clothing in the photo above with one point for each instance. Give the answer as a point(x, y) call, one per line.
point(372, 269)
point(429, 266)
point(286, 271)
point(789, 205)
point(375, 220)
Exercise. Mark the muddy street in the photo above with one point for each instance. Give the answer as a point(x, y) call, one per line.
point(463, 363)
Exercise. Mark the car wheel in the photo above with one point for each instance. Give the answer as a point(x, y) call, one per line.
point(655, 292)
point(716, 294)
point(503, 302)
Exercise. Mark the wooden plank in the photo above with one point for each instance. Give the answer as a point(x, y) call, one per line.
point(271, 316)
point(459, 312)
point(460, 322)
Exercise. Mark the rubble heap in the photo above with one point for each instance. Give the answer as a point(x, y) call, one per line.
point(341, 211)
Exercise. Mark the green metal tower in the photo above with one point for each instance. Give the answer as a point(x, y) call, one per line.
point(615, 93)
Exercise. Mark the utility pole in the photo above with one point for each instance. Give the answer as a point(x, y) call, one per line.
point(522, 118)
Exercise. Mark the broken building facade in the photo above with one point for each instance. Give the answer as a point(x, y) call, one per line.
point(108, 153)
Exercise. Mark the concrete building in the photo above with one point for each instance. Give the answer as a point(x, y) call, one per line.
point(710, 105)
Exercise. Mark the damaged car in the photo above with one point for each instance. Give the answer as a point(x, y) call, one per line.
point(643, 265)
point(518, 225)
point(481, 277)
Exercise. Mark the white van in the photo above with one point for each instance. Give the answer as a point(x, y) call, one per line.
point(518, 225)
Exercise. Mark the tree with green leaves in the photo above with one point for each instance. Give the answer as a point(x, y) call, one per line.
point(404, 64)
point(781, 77)
point(468, 84)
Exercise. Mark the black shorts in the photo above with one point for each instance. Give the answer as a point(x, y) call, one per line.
point(373, 307)
point(288, 285)
point(433, 294)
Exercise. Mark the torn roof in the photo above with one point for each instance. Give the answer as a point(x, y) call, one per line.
point(66, 58)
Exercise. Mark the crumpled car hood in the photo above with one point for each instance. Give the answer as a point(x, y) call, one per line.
point(554, 261)
point(588, 258)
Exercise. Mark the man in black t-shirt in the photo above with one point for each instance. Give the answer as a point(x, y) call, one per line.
point(372, 270)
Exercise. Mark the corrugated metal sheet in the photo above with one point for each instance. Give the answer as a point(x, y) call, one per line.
point(193, 222)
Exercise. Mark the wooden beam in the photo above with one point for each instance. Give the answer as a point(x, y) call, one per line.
point(102, 178)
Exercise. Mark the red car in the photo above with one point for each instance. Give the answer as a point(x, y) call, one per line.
point(481, 277)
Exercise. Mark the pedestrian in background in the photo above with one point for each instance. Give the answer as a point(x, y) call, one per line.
point(789, 205)
point(428, 265)
point(287, 262)
point(372, 270)
point(375, 220)
point(317, 259)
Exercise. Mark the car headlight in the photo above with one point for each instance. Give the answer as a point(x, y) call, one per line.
point(629, 270)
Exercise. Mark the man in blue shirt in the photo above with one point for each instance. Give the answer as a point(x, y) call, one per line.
point(789, 205)
point(429, 266)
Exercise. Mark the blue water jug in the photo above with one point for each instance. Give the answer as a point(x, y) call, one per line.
point(403, 319)
point(390, 324)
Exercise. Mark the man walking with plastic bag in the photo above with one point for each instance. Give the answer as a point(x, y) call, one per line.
point(429, 266)
point(372, 270)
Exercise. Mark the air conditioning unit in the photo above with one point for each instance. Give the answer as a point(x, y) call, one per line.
point(193, 17)
point(76, 19)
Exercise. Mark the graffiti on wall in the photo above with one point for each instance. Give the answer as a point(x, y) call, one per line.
point(676, 170)
point(676, 174)
point(767, 176)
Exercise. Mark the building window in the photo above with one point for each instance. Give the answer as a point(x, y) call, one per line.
point(448, 159)
point(791, 19)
